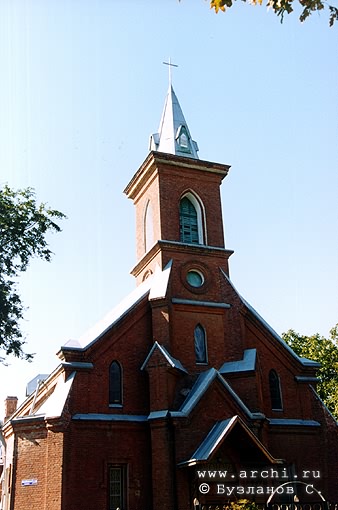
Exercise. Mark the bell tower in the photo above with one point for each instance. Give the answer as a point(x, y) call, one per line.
point(177, 198)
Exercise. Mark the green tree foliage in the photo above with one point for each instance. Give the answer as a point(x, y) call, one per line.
point(325, 351)
point(23, 228)
point(242, 504)
point(282, 7)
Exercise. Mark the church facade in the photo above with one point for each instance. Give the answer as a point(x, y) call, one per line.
point(182, 397)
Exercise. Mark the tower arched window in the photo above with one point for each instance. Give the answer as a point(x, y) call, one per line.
point(115, 383)
point(200, 342)
point(191, 220)
point(148, 227)
point(275, 391)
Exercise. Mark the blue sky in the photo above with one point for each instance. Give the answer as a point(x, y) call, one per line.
point(82, 87)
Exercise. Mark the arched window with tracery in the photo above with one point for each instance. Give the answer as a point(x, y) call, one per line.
point(191, 220)
point(115, 383)
point(275, 391)
point(200, 342)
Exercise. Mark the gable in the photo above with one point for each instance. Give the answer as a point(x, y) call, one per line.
point(200, 395)
point(163, 354)
point(48, 400)
point(232, 429)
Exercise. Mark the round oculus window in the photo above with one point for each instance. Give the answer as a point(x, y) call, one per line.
point(195, 278)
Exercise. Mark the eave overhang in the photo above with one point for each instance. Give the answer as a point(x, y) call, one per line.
point(172, 247)
point(154, 160)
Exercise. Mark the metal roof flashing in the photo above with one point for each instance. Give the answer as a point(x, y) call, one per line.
point(247, 364)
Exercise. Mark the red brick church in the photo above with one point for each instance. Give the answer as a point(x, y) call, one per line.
point(182, 397)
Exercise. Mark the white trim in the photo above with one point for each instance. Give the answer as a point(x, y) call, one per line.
point(200, 274)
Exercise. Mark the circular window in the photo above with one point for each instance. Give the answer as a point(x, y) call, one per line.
point(195, 278)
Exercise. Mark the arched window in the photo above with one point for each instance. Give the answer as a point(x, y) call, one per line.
point(275, 391)
point(148, 227)
point(188, 222)
point(191, 220)
point(200, 344)
point(115, 384)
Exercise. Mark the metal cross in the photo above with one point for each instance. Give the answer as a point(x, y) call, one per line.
point(170, 66)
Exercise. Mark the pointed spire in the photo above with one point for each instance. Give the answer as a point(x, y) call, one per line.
point(173, 134)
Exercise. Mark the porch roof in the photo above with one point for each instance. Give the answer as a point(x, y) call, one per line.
point(216, 436)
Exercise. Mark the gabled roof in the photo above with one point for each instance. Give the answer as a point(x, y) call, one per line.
point(54, 405)
point(304, 361)
point(172, 361)
point(203, 382)
point(173, 135)
point(216, 436)
point(48, 400)
point(101, 327)
point(155, 286)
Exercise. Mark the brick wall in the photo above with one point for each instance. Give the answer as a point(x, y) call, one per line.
point(39, 459)
point(91, 447)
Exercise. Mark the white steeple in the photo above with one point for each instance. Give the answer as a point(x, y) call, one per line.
point(173, 134)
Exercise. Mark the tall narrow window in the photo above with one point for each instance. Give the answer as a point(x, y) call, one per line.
point(115, 384)
point(275, 391)
point(148, 227)
point(200, 344)
point(116, 487)
point(188, 222)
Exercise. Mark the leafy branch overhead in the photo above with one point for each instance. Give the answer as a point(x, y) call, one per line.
point(23, 228)
point(325, 351)
point(282, 7)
